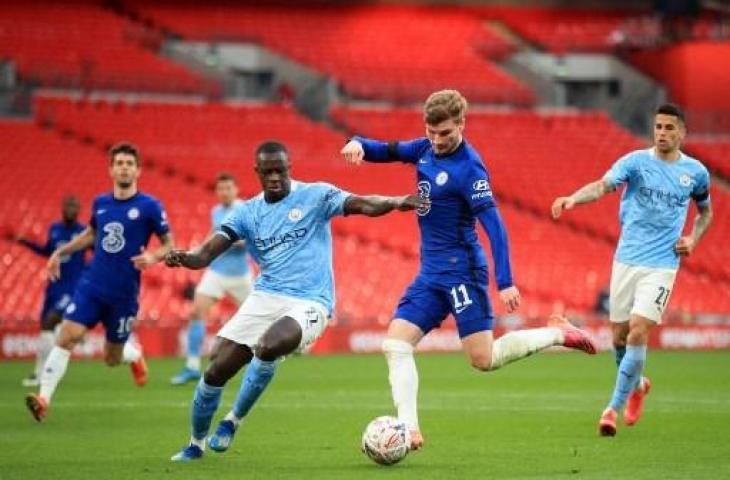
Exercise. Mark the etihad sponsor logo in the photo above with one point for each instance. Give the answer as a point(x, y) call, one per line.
point(286, 240)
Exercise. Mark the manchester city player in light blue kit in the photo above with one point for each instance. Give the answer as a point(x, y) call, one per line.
point(659, 184)
point(287, 231)
point(121, 225)
point(229, 274)
point(453, 276)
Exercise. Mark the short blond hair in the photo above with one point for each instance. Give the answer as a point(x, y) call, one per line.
point(444, 105)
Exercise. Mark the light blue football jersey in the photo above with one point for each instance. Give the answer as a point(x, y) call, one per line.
point(232, 262)
point(654, 205)
point(291, 240)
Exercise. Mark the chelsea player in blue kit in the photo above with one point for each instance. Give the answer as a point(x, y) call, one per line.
point(59, 292)
point(659, 184)
point(229, 274)
point(287, 231)
point(453, 276)
point(121, 225)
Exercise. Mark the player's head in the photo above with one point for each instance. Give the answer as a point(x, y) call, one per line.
point(70, 207)
point(444, 114)
point(124, 164)
point(226, 188)
point(669, 128)
point(272, 167)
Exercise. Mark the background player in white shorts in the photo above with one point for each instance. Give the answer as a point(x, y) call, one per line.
point(660, 181)
point(287, 230)
point(229, 274)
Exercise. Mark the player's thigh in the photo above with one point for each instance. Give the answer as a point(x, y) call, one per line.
point(653, 290)
point(238, 288)
point(624, 279)
point(423, 306)
point(478, 348)
point(470, 305)
point(282, 338)
point(620, 332)
point(54, 315)
point(640, 328)
point(81, 314)
point(255, 315)
point(211, 285)
point(119, 318)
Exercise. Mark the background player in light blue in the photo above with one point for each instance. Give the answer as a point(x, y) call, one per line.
point(287, 230)
point(107, 292)
point(659, 184)
point(229, 274)
point(58, 293)
point(453, 276)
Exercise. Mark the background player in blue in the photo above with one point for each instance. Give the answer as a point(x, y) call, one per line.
point(107, 292)
point(287, 230)
point(659, 181)
point(58, 292)
point(228, 274)
point(453, 275)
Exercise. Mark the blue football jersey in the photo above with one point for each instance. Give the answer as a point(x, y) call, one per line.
point(232, 262)
point(123, 229)
point(72, 266)
point(291, 240)
point(654, 205)
point(458, 186)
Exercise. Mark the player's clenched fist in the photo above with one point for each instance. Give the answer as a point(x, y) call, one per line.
point(175, 258)
point(560, 204)
point(353, 152)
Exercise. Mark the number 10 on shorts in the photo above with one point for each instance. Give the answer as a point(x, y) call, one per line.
point(125, 325)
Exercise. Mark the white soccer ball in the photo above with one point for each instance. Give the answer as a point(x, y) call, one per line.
point(386, 440)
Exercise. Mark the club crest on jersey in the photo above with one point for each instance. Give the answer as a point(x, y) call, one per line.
point(685, 180)
point(295, 214)
point(424, 191)
point(133, 213)
point(442, 178)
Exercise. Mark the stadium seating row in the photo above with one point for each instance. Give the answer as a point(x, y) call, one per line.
point(88, 46)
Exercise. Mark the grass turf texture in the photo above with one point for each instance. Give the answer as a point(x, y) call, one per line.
point(533, 419)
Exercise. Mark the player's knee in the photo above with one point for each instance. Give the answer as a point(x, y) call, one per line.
point(394, 346)
point(481, 361)
point(216, 376)
point(271, 349)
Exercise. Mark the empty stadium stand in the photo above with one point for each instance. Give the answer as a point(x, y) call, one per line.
point(379, 52)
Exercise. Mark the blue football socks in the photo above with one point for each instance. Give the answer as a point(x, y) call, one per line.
point(258, 375)
point(629, 374)
point(205, 402)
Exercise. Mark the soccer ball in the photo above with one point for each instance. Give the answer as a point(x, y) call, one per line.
point(386, 440)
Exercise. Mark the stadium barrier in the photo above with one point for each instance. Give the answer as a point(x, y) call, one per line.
point(20, 343)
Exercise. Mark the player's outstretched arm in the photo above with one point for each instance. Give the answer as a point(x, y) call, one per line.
point(586, 194)
point(146, 259)
point(685, 245)
point(82, 241)
point(42, 250)
point(201, 256)
point(377, 205)
point(361, 148)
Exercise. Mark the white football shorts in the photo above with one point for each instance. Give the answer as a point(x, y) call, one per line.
point(215, 285)
point(261, 309)
point(640, 291)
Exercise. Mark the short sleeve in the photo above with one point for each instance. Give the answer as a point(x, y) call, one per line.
point(477, 188)
point(620, 172)
point(236, 224)
point(159, 219)
point(332, 201)
point(701, 190)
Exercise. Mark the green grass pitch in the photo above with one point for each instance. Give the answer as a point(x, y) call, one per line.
point(534, 419)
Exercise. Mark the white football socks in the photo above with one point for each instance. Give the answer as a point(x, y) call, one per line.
point(403, 378)
point(523, 343)
point(192, 362)
point(130, 353)
point(53, 371)
point(46, 340)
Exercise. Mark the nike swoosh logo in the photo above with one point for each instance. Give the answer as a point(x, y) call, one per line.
point(459, 310)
